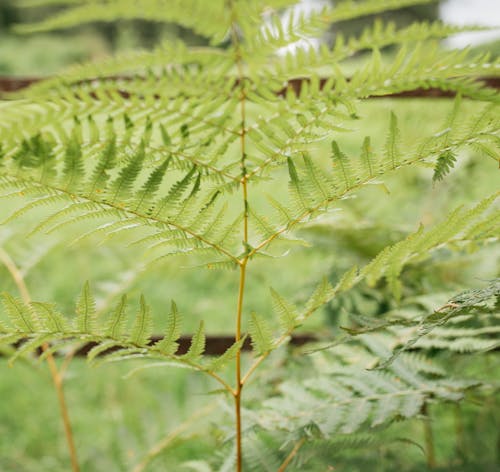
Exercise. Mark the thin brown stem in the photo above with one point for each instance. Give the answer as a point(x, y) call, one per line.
point(57, 378)
point(292, 454)
point(243, 262)
point(239, 383)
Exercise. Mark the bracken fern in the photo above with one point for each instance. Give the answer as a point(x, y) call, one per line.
point(216, 153)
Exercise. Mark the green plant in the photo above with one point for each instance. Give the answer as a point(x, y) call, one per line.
point(221, 153)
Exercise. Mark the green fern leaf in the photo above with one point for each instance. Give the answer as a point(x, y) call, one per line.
point(122, 185)
point(197, 346)
point(118, 321)
point(73, 162)
point(31, 346)
point(100, 349)
point(151, 186)
point(19, 314)
point(287, 312)
point(220, 362)
point(143, 325)
point(50, 318)
point(260, 334)
point(86, 316)
point(392, 151)
point(105, 162)
point(366, 156)
point(444, 164)
point(168, 345)
point(341, 161)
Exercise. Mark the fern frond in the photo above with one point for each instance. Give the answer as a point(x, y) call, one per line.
point(19, 315)
point(197, 346)
point(390, 262)
point(142, 329)
point(341, 161)
point(392, 151)
point(86, 310)
point(348, 9)
point(287, 312)
point(260, 334)
point(214, 15)
point(131, 63)
point(38, 323)
point(220, 362)
point(347, 399)
point(444, 164)
point(168, 345)
point(475, 301)
point(117, 323)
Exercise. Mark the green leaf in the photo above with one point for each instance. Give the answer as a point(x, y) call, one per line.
point(287, 311)
point(260, 334)
point(444, 164)
point(220, 362)
point(86, 316)
point(391, 147)
point(18, 313)
point(118, 321)
point(197, 346)
point(143, 325)
point(49, 317)
point(168, 345)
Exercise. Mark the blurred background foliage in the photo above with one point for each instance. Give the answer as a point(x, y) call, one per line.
point(117, 420)
point(45, 53)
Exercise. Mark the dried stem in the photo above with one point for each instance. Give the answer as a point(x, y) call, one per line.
point(57, 378)
point(292, 454)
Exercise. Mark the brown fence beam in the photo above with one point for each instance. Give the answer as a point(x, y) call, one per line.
point(13, 84)
point(214, 345)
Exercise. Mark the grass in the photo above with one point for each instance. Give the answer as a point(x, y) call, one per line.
point(43, 55)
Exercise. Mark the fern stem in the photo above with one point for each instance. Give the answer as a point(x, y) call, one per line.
point(57, 378)
point(244, 261)
point(292, 454)
point(239, 382)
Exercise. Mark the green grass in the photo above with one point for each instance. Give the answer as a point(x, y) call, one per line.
point(115, 420)
point(43, 55)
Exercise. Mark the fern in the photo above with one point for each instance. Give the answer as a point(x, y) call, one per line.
point(346, 401)
point(476, 301)
point(169, 150)
point(260, 334)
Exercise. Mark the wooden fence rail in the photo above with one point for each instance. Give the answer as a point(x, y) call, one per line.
point(13, 84)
